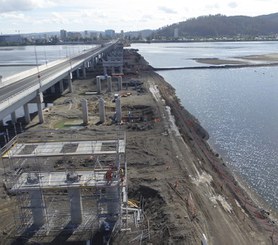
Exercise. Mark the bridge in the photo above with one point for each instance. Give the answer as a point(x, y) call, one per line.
point(19, 90)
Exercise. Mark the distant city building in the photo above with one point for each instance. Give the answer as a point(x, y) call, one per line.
point(122, 34)
point(109, 33)
point(74, 35)
point(176, 32)
point(63, 35)
point(16, 39)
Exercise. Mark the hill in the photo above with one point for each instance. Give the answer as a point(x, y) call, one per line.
point(213, 26)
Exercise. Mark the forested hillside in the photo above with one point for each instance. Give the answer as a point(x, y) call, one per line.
point(221, 25)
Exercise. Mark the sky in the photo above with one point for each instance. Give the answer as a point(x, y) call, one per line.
point(27, 16)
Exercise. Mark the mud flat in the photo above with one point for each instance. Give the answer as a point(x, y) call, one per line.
point(187, 192)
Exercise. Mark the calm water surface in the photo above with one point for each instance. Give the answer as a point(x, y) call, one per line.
point(238, 107)
point(31, 55)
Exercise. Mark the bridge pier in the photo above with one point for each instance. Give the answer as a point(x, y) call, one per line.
point(69, 79)
point(118, 110)
point(37, 207)
point(84, 103)
point(101, 106)
point(75, 205)
point(26, 113)
point(98, 85)
point(78, 73)
point(61, 85)
point(109, 83)
point(13, 117)
point(39, 99)
point(120, 83)
point(84, 71)
point(52, 89)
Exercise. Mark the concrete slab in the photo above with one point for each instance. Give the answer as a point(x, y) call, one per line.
point(76, 148)
point(58, 180)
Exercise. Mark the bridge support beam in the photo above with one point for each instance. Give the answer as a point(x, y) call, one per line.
point(70, 82)
point(105, 70)
point(120, 83)
point(39, 99)
point(26, 113)
point(13, 117)
point(61, 86)
point(52, 89)
point(98, 85)
point(109, 83)
point(78, 73)
point(84, 71)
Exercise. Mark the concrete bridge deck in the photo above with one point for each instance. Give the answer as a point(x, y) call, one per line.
point(20, 89)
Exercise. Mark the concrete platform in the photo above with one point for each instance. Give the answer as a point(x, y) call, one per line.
point(58, 180)
point(48, 149)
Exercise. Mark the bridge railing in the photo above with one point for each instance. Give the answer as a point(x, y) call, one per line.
point(30, 72)
point(17, 96)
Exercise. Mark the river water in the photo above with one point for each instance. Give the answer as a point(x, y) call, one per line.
point(238, 107)
point(17, 59)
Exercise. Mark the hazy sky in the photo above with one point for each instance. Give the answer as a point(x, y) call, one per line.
point(27, 16)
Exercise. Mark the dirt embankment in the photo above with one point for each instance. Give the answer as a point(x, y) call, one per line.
point(195, 195)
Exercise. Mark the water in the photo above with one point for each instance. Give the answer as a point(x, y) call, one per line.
point(238, 107)
point(27, 57)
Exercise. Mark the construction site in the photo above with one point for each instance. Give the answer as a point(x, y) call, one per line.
point(120, 161)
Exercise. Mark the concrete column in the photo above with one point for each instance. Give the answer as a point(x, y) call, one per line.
point(70, 82)
point(13, 117)
point(78, 73)
point(112, 196)
point(61, 85)
point(109, 83)
point(98, 85)
point(85, 111)
point(75, 205)
point(52, 89)
point(84, 71)
point(105, 70)
point(39, 104)
point(26, 113)
point(120, 83)
point(37, 207)
point(118, 110)
point(101, 106)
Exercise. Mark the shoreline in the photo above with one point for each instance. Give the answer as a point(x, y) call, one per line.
point(215, 67)
point(255, 200)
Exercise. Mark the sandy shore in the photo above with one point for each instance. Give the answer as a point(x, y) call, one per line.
point(189, 195)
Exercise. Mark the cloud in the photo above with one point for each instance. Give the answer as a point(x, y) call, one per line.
point(232, 5)
point(212, 6)
point(23, 5)
point(167, 10)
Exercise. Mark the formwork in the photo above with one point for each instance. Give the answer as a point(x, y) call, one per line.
point(67, 190)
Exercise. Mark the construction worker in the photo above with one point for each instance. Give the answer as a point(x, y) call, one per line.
point(109, 176)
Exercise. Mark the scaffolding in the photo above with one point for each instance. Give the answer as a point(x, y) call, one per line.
point(68, 187)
